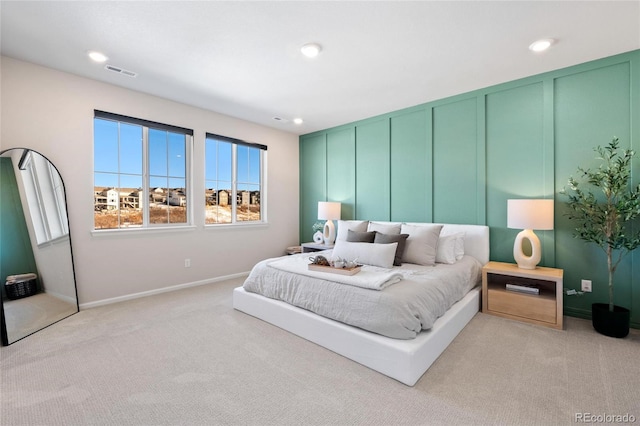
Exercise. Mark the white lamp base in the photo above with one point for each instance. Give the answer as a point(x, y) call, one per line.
point(329, 233)
point(524, 261)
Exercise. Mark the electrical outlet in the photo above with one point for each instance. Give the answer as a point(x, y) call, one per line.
point(187, 263)
point(586, 286)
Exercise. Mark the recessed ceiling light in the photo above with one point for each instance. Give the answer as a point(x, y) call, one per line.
point(298, 121)
point(311, 50)
point(97, 56)
point(541, 45)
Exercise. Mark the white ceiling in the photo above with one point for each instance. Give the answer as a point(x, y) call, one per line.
point(242, 58)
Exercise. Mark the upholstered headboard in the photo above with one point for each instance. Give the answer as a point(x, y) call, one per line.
point(476, 238)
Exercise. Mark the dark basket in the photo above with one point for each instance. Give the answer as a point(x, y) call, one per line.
point(20, 289)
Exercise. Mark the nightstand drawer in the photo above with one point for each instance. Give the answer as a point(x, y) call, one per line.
point(534, 307)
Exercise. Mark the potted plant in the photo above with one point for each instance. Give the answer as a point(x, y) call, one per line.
point(604, 218)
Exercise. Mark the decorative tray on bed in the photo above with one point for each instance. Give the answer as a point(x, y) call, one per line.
point(332, 270)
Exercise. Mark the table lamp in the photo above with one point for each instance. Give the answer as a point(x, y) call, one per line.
point(329, 211)
point(529, 215)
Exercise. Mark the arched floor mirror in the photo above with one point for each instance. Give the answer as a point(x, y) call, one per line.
point(36, 259)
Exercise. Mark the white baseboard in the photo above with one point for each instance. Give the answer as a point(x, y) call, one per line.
point(159, 290)
point(67, 299)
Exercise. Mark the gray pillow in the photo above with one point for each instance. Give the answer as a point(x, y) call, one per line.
point(422, 243)
point(393, 238)
point(360, 237)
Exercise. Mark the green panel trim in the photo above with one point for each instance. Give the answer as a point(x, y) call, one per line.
point(548, 167)
point(313, 181)
point(373, 171)
point(341, 170)
point(589, 108)
point(634, 111)
point(481, 162)
point(586, 314)
point(455, 173)
point(429, 207)
point(577, 312)
point(410, 162)
point(514, 121)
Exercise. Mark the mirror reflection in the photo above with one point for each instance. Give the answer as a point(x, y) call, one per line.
point(36, 263)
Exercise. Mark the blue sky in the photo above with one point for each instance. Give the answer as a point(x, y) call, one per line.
point(167, 159)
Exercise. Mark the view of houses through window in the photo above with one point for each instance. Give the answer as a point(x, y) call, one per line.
point(233, 180)
point(140, 173)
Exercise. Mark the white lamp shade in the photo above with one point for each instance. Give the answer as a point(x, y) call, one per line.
point(530, 214)
point(328, 210)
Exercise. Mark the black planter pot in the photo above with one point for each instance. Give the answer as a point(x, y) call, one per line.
point(612, 324)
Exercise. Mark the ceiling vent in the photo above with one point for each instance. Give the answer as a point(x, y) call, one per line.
point(120, 71)
point(280, 119)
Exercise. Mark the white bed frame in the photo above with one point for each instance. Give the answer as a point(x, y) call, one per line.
point(403, 360)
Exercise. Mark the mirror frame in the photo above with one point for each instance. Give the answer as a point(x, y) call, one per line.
point(4, 338)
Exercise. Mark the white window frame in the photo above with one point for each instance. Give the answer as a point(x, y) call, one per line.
point(234, 180)
point(145, 203)
point(44, 192)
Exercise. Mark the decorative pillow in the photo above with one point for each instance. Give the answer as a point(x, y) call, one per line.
point(369, 254)
point(354, 225)
point(459, 245)
point(385, 227)
point(387, 239)
point(361, 237)
point(446, 251)
point(422, 243)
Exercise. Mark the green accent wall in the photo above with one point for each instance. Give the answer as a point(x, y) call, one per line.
point(458, 160)
point(16, 255)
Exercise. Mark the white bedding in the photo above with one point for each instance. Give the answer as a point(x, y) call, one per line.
point(370, 277)
point(400, 311)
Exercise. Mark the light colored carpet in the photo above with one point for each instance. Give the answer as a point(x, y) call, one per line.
point(187, 358)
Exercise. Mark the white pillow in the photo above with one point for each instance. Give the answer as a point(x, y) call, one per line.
point(459, 245)
point(421, 246)
point(354, 225)
point(385, 227)
point(448, 247)
point(366, 253)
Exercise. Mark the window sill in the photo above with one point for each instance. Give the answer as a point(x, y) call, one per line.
point(236, 225)
point(139, 231)
point(59, 240)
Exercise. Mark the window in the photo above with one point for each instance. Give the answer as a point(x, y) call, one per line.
point(234, 172)
point(45, 196)
point(140, 173)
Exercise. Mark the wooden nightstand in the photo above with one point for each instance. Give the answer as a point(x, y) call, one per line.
point(544, 308)
point(311, 247)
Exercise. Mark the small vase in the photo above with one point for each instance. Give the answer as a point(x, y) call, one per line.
point(318, 238)
point(612, 324)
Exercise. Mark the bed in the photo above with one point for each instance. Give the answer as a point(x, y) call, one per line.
point(402, 350)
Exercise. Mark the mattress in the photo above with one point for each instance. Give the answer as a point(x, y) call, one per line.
point(401, 310)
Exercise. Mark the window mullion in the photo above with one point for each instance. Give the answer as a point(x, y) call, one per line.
point(145, 177)
point(41, 203)
point(234, 182)
point(263, 186)
point(188, 140)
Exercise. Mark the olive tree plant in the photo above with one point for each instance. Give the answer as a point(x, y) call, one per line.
point(602, 203)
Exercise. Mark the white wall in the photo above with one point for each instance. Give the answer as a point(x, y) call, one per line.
point(52, 112)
